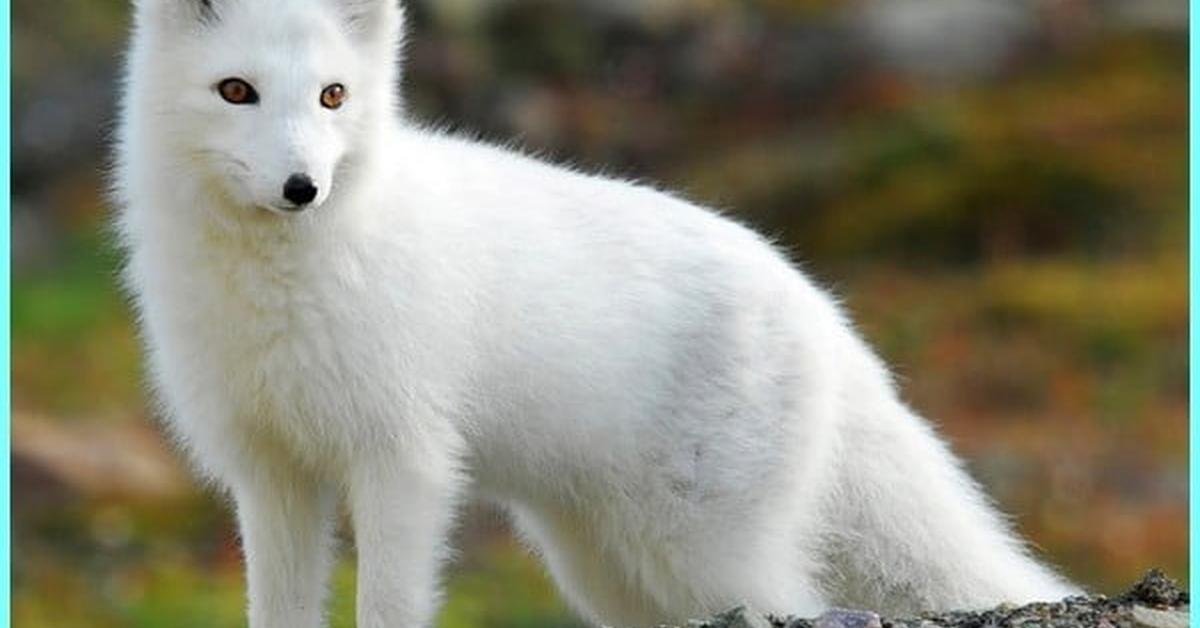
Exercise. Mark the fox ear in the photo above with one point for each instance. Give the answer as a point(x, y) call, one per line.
point(181, 12)
point(203, 10)
point(372, 19)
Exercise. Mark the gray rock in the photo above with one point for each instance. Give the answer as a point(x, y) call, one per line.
point(843, 618)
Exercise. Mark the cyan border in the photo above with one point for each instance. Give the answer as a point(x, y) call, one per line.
point(5, 288)
point(1194, 273)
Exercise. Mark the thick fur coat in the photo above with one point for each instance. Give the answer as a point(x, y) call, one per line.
point(677, 419)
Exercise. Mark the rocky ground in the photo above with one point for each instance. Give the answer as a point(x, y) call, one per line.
point(1153, 602)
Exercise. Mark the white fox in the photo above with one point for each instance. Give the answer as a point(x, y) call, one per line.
point(340, 306)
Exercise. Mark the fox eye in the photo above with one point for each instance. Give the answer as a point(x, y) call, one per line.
point(333, 96)
point(237, 92)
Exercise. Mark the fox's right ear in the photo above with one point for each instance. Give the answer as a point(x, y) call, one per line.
point(183, 13)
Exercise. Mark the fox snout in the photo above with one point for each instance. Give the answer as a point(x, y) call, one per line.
point(299, 190)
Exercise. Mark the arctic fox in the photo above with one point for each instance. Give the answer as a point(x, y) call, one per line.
point(339, 306)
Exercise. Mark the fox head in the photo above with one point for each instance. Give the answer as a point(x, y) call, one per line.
point(266, 102)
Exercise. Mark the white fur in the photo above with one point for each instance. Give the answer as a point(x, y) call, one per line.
point(677, 419)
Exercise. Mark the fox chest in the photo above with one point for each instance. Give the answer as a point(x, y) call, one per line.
point(273, 353)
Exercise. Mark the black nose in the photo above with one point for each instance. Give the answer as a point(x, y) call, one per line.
point(299, 189)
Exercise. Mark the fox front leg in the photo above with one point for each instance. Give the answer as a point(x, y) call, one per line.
point(286, 521)
point(401, 514)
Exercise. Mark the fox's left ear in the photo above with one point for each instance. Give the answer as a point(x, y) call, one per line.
point(379, 21)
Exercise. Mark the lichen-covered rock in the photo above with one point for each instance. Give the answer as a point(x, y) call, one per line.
point(738, 617)
point(1154, 602)
point(1156, 590)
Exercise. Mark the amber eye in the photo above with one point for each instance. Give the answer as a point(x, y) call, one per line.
point(333, 96)
point(237, 92)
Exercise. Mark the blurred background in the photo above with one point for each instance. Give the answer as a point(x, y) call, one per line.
point(996, 189)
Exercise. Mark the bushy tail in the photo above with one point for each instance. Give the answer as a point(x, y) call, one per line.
point(912, 531)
